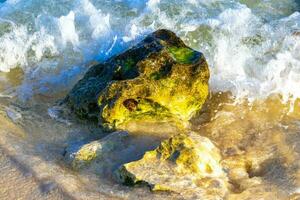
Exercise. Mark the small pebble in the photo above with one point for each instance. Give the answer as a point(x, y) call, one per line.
point(13, 114)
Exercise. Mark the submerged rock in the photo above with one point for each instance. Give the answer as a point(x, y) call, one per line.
point(108, 153)
point(158, 80)
point(81, 155)
point(187, 164)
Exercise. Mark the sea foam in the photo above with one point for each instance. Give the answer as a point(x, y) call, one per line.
point(251, 54)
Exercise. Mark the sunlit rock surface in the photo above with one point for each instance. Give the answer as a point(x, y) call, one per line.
point(158, 80)
point(188, 164)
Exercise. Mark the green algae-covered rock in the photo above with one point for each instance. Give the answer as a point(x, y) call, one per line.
point(158, 80)
point(187, 164)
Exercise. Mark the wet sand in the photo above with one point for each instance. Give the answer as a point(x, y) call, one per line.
point(17, 182)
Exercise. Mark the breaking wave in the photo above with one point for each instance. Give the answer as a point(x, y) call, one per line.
point(252, 48)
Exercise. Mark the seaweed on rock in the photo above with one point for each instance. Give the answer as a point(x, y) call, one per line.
point(158, 80)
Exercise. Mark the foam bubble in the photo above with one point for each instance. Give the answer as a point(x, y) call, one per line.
point(67, 29)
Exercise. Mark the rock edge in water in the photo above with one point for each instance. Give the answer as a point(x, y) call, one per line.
point(188, 164)
point(80, 155)
point(158, 80)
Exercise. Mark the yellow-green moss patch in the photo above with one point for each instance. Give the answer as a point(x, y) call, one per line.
point(184, 55)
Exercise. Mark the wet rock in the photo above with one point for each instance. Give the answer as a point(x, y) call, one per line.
point(158, 80)
point(105, 155)
point(188, 164)
point(82, 155)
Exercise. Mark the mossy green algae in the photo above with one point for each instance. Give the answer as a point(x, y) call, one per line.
point(158, 80)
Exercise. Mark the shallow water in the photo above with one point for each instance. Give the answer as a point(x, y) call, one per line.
point(252, 48)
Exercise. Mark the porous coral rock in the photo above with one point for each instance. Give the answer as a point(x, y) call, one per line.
point(186, 163)
point(158, 80)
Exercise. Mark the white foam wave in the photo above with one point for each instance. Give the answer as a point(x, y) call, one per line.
point(250, 53)
point(255, 59)
point(99, 22)
point(49, 35)
point(19, 47)
point(66, 25)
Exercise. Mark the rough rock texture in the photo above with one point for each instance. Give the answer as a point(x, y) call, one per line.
point(187, 164)
point(159, 79)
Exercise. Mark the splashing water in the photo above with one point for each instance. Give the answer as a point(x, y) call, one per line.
point(252, 48)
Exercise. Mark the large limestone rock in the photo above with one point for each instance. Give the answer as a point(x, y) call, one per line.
point(158, 80)
point(186, 164)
